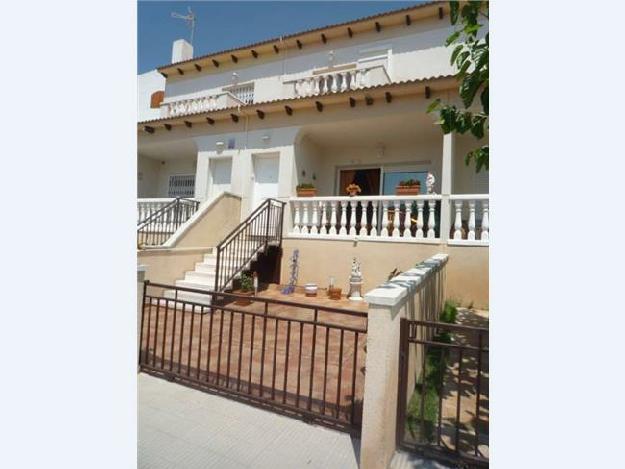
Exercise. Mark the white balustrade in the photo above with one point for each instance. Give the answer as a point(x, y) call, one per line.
point(206, 103)
point(146, 207)
point(339, 81)
point(470, 225)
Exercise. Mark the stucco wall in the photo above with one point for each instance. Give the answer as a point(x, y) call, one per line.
point(467, 269)
point(148, 83)
point(155, 174)
point(168, 265)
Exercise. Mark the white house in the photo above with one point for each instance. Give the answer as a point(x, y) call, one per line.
point(336, 105)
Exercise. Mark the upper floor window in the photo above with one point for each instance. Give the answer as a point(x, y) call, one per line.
point(244, 93)
point(181, 185)
point(156, 99)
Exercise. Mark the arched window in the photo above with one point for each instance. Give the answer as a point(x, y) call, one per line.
point(156, 99)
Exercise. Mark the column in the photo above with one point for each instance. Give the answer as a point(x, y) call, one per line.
point(447, 183)
point(202, 174)
point(419, 233)
point(484, 236)
point(471, 234)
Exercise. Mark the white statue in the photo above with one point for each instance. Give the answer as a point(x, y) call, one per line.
point(355, 282)
point(429, 182)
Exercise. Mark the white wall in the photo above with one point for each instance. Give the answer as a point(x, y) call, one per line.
point(148, 83)
point(155, 175)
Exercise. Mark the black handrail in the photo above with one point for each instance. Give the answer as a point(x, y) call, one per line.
point(158, 227)
point(260, 229)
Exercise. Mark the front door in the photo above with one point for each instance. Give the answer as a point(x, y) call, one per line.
point(265, 178)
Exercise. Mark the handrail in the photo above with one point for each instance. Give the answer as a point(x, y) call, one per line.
point(163, 223)
point(261, 227)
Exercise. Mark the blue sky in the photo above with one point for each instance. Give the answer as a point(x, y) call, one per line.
point(224, 25)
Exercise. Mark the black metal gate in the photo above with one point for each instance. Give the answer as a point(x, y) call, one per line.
point(300, 359)
point(443, 391)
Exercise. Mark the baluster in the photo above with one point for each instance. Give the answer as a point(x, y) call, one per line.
point(343, 81)
point(363, 78)
point(316, 88)
point(362, 231)
point(335, 84)
point(324, 218)
point(419, 233)
point(471, 234)
point(326, 84)
point(343, 216)
point(374, 219)
point(315, 220)
point(431, 219)
point(485, 228)
point(352, 80)
point(396, 209)
point(352, 217)
point(333, 218)
point(385, 222)
point(305, 223)
point(458, 220)
point(296, 218)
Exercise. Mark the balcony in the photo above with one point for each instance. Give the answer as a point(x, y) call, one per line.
point(336, 80)
point(212, 102)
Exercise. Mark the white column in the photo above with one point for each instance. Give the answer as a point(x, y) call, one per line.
point(352, 80)
point(305, 217)
point(316, 87)
point(384, 219)
point(458, 219)
point(335, 79)
point(419, 233)
point(343, 81)
point(447, 183)
point(324, 218)
point(431, 219)
point(352, 218)
point(471, 234)
point(202, 173)
point(374, 219)
point(333, 218)
point(485, 227)
point(363, 218)
point(296, 218)
point(315, 219)
point(396, 207)
point(343, 221)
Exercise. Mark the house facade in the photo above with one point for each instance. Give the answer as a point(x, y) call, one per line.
point(326, 108)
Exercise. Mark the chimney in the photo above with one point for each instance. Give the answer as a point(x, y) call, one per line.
point(181, 50)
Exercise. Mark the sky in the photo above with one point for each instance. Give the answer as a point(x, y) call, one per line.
point(225, 25)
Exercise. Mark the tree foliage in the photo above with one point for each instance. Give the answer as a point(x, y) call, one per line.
point(470, 56)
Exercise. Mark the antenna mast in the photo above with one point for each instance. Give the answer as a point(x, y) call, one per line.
point(189, 19)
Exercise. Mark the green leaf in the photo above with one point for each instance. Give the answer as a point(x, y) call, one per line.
point(452, 38)
point(453, 11)
point(455, 53)
point(469, 87)
point(433, 105)
point(484, 100)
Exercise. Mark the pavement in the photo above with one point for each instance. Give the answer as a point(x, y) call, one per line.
point(183, 428)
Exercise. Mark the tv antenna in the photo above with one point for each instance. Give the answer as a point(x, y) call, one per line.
point(189, 19)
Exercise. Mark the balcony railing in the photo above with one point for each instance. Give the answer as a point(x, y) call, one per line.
point(393, 218)
point(200, 104)
point(147, 207)
point(339, 80)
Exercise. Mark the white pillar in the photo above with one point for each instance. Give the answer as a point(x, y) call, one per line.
point(296, 219)
point(333, 218)
point(352, 218)
point(324, 217)
point(471, 234)
point(419, 233)
point(202, 174)
point(384, 232)
point(374, 219)
point(343, 221)
point(458, 219)
point(315, 220)
point(447, 183)
point(485, 228)
point(431, 219)
point(396, 208)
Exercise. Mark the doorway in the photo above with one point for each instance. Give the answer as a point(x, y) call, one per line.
point(221, 175)
point(266, 170)
point(368, 180)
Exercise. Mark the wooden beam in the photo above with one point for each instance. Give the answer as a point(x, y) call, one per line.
point(188, 124)
point(180, 71)
point(198, 68)
point(378, 28)
point(260, 113)
point(235, 118)
point(254, 53)
point(324, 38)
point(210, 121)
point(299, 44)
point(440, 13)
point(164, 74)
point(352, 102)
point(428, 92)
point(149, 129)
point(289, 110)
point(368, 100)
point(408, 21)
point(388, 96)
point(234, 58)
point(319, 106)
point(350, 32)
point(215, 63)
point(168, 126)
point(275, 49)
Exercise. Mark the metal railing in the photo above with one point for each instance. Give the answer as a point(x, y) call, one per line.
point(147, 207)
point(300, 359)
point(158, 227)
point(446, 415)
point(262, 228)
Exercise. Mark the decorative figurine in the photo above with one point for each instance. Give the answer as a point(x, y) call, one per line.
point(290, 288)
point(429, 182)
point(355, 282)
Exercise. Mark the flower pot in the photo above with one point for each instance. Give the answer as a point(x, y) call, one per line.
point(334, 293)
point(243, 301)
point(310, 289)
point(408, 190)
point(307, 192)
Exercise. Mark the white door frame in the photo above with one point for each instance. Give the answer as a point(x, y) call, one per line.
point(211, 164)
point(264, 156)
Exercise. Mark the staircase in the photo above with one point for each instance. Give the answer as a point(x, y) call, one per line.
point(234, 255)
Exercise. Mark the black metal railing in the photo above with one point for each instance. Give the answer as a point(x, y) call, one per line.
point(255, 234)
point(301, 359)
point(443, 406)
point(158, 227)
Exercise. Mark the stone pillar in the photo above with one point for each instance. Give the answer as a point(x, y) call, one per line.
point(449, 141)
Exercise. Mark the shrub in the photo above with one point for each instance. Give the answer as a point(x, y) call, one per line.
point(305, 185)
point(410, 182)
point(247, 284)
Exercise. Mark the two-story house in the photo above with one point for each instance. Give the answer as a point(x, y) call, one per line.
point(328, 107)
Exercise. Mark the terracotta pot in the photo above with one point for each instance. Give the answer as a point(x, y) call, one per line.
point(243, 301)
point(408, 190)
point(334, 293)
point(308, 192)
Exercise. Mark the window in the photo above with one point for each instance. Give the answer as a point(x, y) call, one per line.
point(182, 185)
point(244, 93)
point(156, 99)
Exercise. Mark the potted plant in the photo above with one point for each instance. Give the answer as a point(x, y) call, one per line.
point(353, 189)
point(246, 288)
point(306, 190)
point(408, 187)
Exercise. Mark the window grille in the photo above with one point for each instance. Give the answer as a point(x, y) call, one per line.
point(182, 185)
point(244, 92)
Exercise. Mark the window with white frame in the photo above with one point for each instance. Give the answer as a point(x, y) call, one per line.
point(244, 93)
point(182, 185)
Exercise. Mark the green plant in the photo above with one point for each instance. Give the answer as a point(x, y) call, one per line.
point(449, 312)
point(410, 182)
point(305, 185)
point(247, 283)
point(470, 56)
